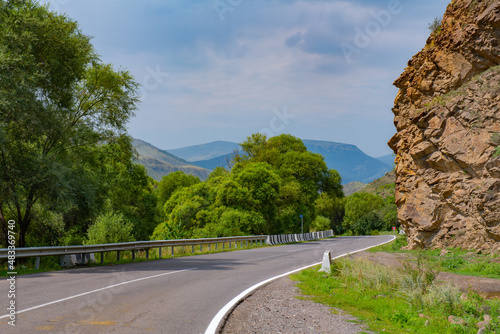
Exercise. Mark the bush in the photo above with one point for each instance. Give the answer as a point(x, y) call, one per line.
point(435, 25)
point(320, 224)
point(109, 228)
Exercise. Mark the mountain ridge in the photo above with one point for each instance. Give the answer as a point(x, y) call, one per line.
point(352, 163)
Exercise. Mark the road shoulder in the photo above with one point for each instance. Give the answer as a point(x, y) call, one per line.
point(275, 308)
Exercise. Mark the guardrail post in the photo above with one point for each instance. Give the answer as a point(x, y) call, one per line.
point(147, 253)
point(117, 256)
point(37, 263)
point(133, 254)
point(159, 252)
point(172, 252)
point(192, 248)
point(102, 257)
point(216, 245)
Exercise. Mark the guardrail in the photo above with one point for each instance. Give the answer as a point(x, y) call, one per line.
point(147, 245)
point(288, 238)
point(125, 246)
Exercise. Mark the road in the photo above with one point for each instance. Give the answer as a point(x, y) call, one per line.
point(180, 295)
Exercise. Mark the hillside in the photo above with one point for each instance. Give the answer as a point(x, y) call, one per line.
point(352, 163)
point(206, 151)
point(387, 159)
point(215, 162)
point(383, 186)
point(159, 162)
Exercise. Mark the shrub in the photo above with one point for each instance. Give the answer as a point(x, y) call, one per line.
point(435, 25)
point(109, 228)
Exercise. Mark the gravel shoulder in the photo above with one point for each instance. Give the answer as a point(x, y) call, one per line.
point(275, 308)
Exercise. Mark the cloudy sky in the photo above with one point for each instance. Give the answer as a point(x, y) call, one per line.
point(224, 69)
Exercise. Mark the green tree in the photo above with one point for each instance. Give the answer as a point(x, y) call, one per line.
point(168, 185)
point(320, 224)
point(58, 103)
point(304, 176)
point(332, 208)
point(359, 204)
point(367, 223)
point(109, 228)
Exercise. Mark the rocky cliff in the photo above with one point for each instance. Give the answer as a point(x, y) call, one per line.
point(447, 145)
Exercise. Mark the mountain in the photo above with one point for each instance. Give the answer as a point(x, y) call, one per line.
point(159, 162)
point(387, 159)
point(214, 162)
point(352, 163)
point(206, 151)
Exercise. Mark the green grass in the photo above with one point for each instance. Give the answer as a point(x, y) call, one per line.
point(391, 300)
point(457, 261)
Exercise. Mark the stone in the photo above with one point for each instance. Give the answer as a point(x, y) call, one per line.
point(447, 114)
point(456, 320)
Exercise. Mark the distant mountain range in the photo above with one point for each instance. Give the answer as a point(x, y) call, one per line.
point(205, 151)
point(352, 163)
point(159, 162)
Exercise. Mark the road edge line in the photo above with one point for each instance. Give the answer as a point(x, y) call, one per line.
point(215, 325)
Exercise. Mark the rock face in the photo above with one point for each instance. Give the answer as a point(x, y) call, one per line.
point(447, 145)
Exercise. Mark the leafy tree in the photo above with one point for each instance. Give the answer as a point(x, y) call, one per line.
point(171, 182)
point(332, 208)
point(359, 204)
point(304, 176)
point(269, 186)
point(320, 224)
point(109, 228)
point(368, 223)
point(58, 104)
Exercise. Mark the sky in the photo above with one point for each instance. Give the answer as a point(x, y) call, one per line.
point(225, 69)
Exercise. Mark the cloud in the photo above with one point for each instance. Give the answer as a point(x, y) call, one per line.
point(225, 76)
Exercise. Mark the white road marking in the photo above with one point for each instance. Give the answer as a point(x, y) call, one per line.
point(214, 324)
point(96, 290)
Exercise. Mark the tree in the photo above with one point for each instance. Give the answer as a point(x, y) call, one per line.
point(58, 104)
point(358, 205)
point(304, 176)
point(109, 228)
point(332, 208)
point(169, 184)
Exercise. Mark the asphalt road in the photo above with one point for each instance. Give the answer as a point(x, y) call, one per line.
point(177, 296)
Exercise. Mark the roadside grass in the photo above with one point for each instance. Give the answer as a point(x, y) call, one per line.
point(456, 260)
point(51, 263)
point(398, 300)
point(407, 299)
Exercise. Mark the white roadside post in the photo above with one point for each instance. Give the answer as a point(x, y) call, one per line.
point(326, 265)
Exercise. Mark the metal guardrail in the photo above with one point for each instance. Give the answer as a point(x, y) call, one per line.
point(125, 246)
point(6, 253)
point(288, 238)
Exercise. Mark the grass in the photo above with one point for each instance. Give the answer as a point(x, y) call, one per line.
point(407, 299)
point(51, 263)
point(398, 300)
point(457, 261)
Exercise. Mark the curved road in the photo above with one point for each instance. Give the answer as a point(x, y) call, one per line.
point(177, 296)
